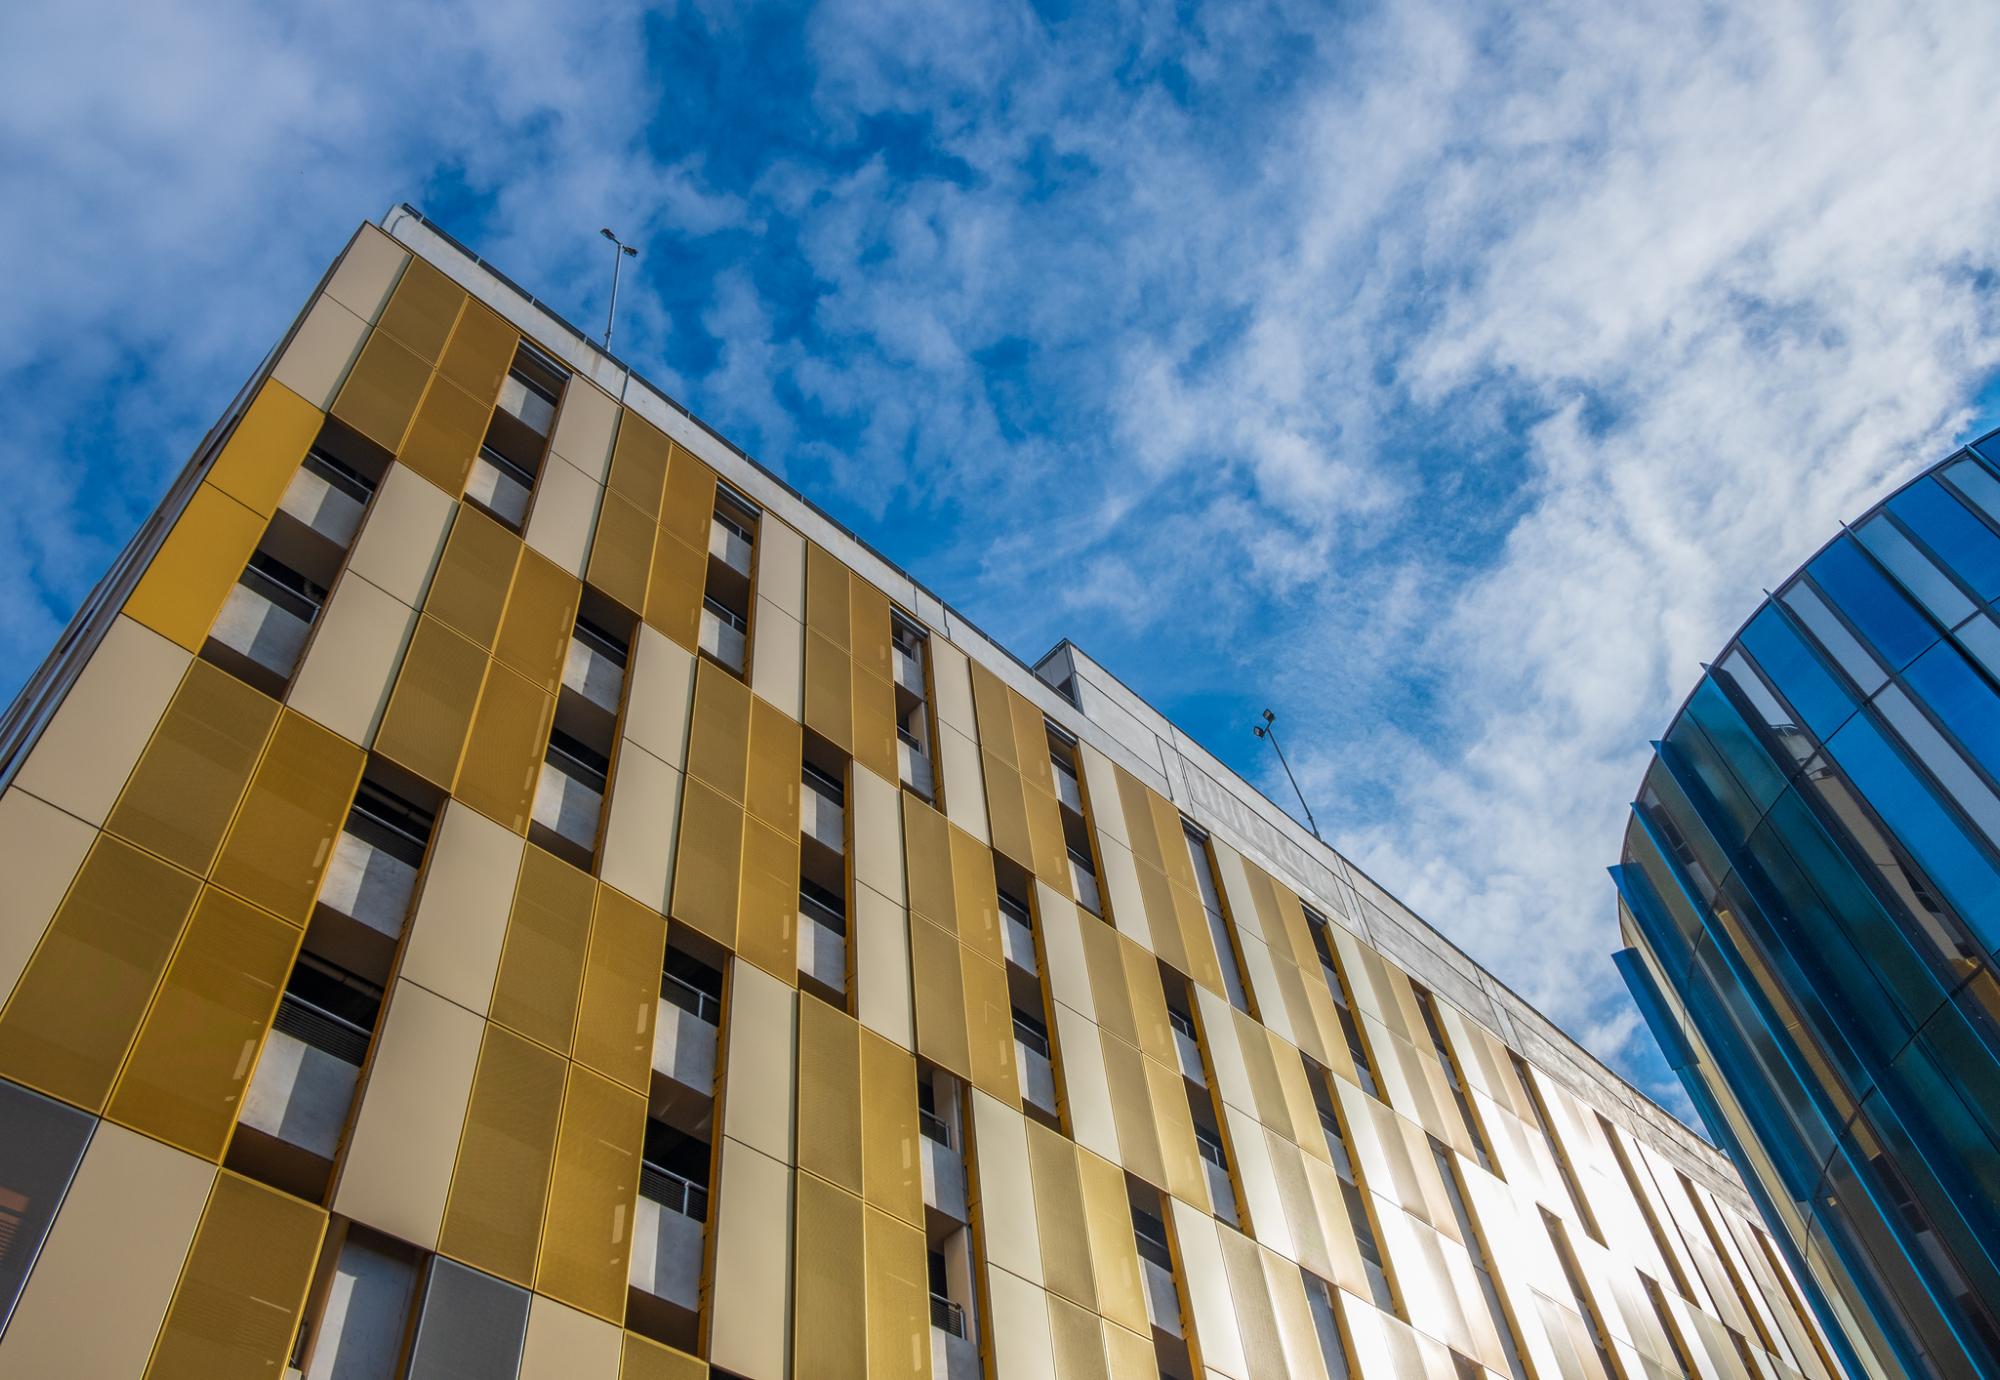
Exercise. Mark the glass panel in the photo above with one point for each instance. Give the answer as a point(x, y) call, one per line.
point(38, 1157)
point(472, 1326)
point(1819, 699)
point(1961, 781)
point(1842, 645)
point(1961, 540)
point(1913, 569)
point(1889, 621)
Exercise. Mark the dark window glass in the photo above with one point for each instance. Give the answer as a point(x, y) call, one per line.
point(39, 1150)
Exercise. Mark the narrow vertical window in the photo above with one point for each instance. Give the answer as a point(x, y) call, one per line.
point(1427, 1004)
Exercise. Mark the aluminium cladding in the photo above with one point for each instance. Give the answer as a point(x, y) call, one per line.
point(1108, 715)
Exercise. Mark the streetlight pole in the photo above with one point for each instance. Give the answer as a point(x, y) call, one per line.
point(617, 260)
point(1268, 730)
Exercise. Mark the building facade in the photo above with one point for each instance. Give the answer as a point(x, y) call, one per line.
point(1810, 889)
point(498, 885)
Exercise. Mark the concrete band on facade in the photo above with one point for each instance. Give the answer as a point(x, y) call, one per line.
point(503, 885)
point(1809, 887)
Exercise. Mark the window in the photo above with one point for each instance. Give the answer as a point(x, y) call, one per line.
point(1031, 1033)
point(1475, 1246)
point(1326, 1322)
point(822, 907)
point(1356, 1199)
point(578, 760)
point(1210, 1146)
point(1016, 910)
point(1218, 925)
point(1645, 1203)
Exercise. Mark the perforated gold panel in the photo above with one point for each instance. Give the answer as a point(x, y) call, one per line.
point(587, 1242)
point(621, 989)
point(718, 752)
point(646, 1359)
point(989, 1027)
point(673, 597)
point(278, 847)
point(829, 691)
point(237, 1305)
point(184, 1081)
point(445, 435)
point(772, 792)
point(182, 589)
point(493, 1219)
point(382, 391)
point(431, 706)
point(941, 1034)
point(422, 309)
point(927, 862)
point(639, 463)
point(767, 916)
point(872, 703)
point(829, 1094)
point(688, 509)
point(541, 965)
point(182, 794)
point(1007, 812)
point(473, 576)
point(827, 582)
point(503, 754)
point(1078, 1341)
point(975, 896)
point(1107, 1219)
point(265, 449)
point(621, 552)
point(707, 866)
point(891, 1172)
point(76, 1008)
point(829, 1302)
point(535, 630)
point(481, 349)
point(1058, 1212)
point(899, 1331)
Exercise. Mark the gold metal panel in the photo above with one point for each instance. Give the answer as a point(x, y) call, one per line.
point(621, 989)
point(989, 1027)
point(265, 449)
point(1107, 1222)
point(829, 691)
point(541, 967)
point(1083, 1086)
point(772, 791)
point(1109, 985)
point(1007, 813)
point(1163, 924)
point(1180, 1160)
point(827, 583)
point(1204, 1285)
point(1256, 1322)
point(873, 704)
point(829, 1095)
point(278, 848)
point(939, 985)
point(1197, 942)
point(587, 1242)
point(184, 791)
point(535, 630)
point(1130, 1354)
point(1078, 1341)
point(639, 463)
point(422, 309)
point(829, 1302)
point(1058, 1212)
point(41, 851)
point(382, 391)
point(899, 1324)
point(688, 509)
point(493, 1219)
point(708, 862)
point(645, 1359)
point(1031, 744)
point(1252, 1150)
point(431, 706)
point(928, 858)
point(1259, 1062)
point(469, 591)
point(1175, 860)
point(183, 588)
point(718, 750)
point(1308, 1241)
point(1149, 1002)
point(976, 896)
point(237, 1307)
point(767, 907)
point(446, 434)
point(184, 1081)
point(1132, 1109)
point(621, 552)
point(480, 353)
point(994, 708)
point(891, 1168)
point(868, 628)
point(1045, 838)
point(1297, 1332)
point(674, 593)
point(1000, 1189)
point(503, 754)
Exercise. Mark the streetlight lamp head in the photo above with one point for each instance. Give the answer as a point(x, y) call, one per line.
point(629, 250)
point(1269, 716)
point(1257, 729)
point(606, 232)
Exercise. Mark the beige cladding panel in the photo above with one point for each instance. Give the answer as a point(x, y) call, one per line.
point(1061, 929)
point(758, 1064)
point(564, 515)
point(565, 1344)
point(367, 273)
point(778, 658)
point(875, 808)
point(964, 783)
point(1005, 1191)
point(882, 999)
point(1204, 1283)
point(750, 1298)
point(585, 425)
point(350, 665)
point(90, 746)
point(322, 350)
point(404, 535)
point(781, 567)
point(107, 1271)
point(1019, 1329)
point(640, 827)
point(461, 920)
point(661, 698)
point(405, 1137)
point(1086, 1086)
point(41, 849)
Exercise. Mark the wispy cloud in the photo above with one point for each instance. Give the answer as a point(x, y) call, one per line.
point(1451, 375)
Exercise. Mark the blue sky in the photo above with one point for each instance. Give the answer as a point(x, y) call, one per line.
point(1449, 376)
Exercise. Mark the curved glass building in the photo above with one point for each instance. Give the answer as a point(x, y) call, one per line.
point(1810, 892)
